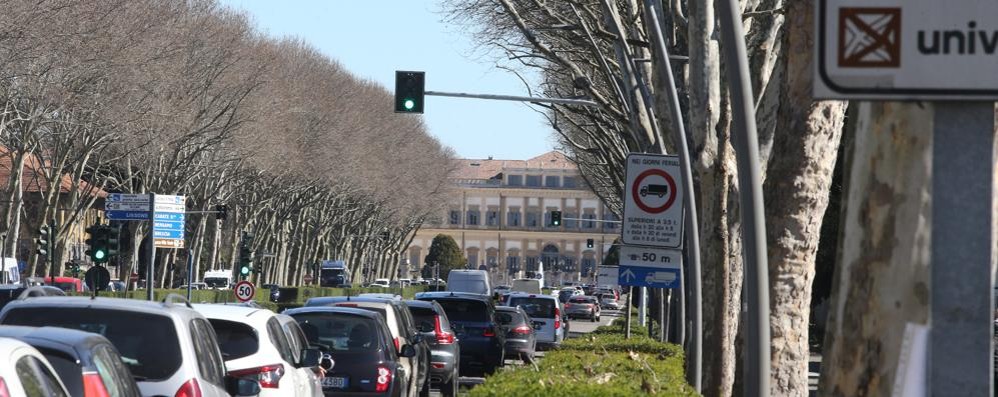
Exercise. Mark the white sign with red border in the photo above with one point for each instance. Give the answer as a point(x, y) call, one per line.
point(653, 201)
point(244, 291)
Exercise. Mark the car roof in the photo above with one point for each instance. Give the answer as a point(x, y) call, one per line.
point(123, 304)
point(63, 339)
point(234, 313)
point(380, 295)
point(452, 295)
point(527, 295)
point(325, 300)
point(335, 309)
point(507, 308)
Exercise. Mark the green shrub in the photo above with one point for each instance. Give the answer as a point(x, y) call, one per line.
point(602, 363)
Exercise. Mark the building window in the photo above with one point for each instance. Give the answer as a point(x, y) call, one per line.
point(568, 182)
point(531, 264)
point(533, 219)
point(455, 217)
point(514, 180)
point(568, 219)
point(588, 266)
point(512, 263)
point(513, 217)
point(492, 217)
point(609, 216)
point(551, 181)
point(589, 223)
point(534, 180)
point(472, 260)
point(473, 215)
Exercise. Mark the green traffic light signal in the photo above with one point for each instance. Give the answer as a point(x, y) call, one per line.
point(245, 270)
point(99, 255)
point(409, 91)
point(409, 104)
point(555, 218)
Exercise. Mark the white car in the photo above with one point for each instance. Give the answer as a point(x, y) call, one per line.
point(546, 310)
point(21, 364)
point(257, 344)
point(170, 348)
point(381, 282)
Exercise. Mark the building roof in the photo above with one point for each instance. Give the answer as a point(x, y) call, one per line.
point(489, 168)
point(33, 175)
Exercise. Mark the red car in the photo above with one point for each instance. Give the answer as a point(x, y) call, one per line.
point(68, 284)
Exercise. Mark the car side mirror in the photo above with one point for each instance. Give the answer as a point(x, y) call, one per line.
point(417, 338)
point(309, 358)
point(407, 351)
point(241, 386)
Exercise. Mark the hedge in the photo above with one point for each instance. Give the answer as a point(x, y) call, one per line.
point(602, 364)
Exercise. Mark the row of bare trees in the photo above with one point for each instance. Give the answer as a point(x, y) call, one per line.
point(187, 97)
point(601, 50)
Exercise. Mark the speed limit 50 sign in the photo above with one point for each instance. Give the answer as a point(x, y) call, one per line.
point(244, 291)
point(653, 201)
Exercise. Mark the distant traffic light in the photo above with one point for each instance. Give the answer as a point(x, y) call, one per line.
point(113, 240)
point(245, 254)
point(221, 212)
point(589, 243)
point(43, 242)
point(555, 218)
point(98, 243)
point(409, 92)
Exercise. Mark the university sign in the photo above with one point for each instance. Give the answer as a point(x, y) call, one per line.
point(906, 49)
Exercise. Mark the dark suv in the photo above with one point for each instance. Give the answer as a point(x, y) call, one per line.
point(473, 318)
point(431, 319)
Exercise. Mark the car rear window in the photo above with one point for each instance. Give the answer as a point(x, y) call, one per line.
point(425, 317)
point(339, 332)
point(236, 340)
point(508, 318)
point(535, 307)
point(67, 368)
point(465, 310)
point(581, 300)
point(148, 343)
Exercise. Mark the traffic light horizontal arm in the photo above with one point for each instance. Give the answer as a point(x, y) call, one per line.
point(562, 101)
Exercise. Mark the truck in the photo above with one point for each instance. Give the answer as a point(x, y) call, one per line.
point(537, 274)
point(334, 273)
point(218, 279)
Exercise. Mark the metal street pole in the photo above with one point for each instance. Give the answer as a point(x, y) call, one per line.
point(960, 318)
point(190, 272)
point(692, 236)
point(150, 268)
point(562, 101)
point(745, 140)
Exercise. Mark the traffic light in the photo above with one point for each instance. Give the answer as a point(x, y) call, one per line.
point(555, 218)
point(221, 212)
point(113, 241)
point(409, 92)
point(589, 243)
point(98, 243)
point(44, 241)
point(257, 268)
point(245, 255)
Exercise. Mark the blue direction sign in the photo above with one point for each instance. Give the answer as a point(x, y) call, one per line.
point(127, 215)
point(168, 225)
point(168, 234)
point(168, 221)
point(653, 277)
point(167, 216)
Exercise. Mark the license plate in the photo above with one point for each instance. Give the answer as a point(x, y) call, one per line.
point(334, 383)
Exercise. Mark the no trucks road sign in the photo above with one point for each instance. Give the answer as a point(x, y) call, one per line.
point(653, 201)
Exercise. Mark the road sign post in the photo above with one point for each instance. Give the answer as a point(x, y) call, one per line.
point(939, 51)
point(244, 291)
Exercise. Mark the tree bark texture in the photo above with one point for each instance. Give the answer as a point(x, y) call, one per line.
point(796, 190)
point(881, 282)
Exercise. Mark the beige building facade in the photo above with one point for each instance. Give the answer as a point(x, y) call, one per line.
point(500, 217)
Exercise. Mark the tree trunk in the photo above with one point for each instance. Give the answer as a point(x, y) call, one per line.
point(796, 195)
point(881, 281)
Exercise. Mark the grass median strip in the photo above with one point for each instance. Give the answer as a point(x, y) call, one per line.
point(602, 363)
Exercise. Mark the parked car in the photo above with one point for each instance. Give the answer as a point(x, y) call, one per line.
point(521, 337)
point(25, 372)
point(583, 307)
point(470, 281)
point(547, 311)
point(87, 363)
point(431, 320)
point(403, 329)
point(360, 338)
point(68, 284)
point(169, 348)
point(473, 318)
point(565, 294)
point(381, 282)
point(11, 292)
point(608, 301)
point(256, 345)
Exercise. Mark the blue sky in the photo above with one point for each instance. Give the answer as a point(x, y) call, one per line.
point(372, 39)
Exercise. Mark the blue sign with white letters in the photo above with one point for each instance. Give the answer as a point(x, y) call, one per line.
point(168, 234)
point(127, 215)
point(169, 216)
point(652, 277)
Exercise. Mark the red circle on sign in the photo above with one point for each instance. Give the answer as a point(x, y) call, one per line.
point(244, 291)
point(636, 187)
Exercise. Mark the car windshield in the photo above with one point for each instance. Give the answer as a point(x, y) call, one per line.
point(339, 332)
point(535, 307)
point(467, 310)
point(148, 343)
point(236, 340)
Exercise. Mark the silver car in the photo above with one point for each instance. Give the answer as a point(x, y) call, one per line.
point(169, 348)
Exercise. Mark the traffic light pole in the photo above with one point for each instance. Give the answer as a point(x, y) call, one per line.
point(150, 268)
point(51, 250)
point(562, 101)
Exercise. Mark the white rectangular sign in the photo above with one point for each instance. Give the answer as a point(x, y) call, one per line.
point(126, 206)
point(653, 201)
point(128, 198)
point(160, 207)
point(168, 199)
point(906, 49)
point(606, 276)
point(651, 257)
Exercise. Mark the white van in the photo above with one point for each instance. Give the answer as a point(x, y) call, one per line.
point(547, 313)
point(528, 285)
point(471, 281)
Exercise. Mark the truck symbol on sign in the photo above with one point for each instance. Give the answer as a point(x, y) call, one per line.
point(658, 190)
point(660, 277)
